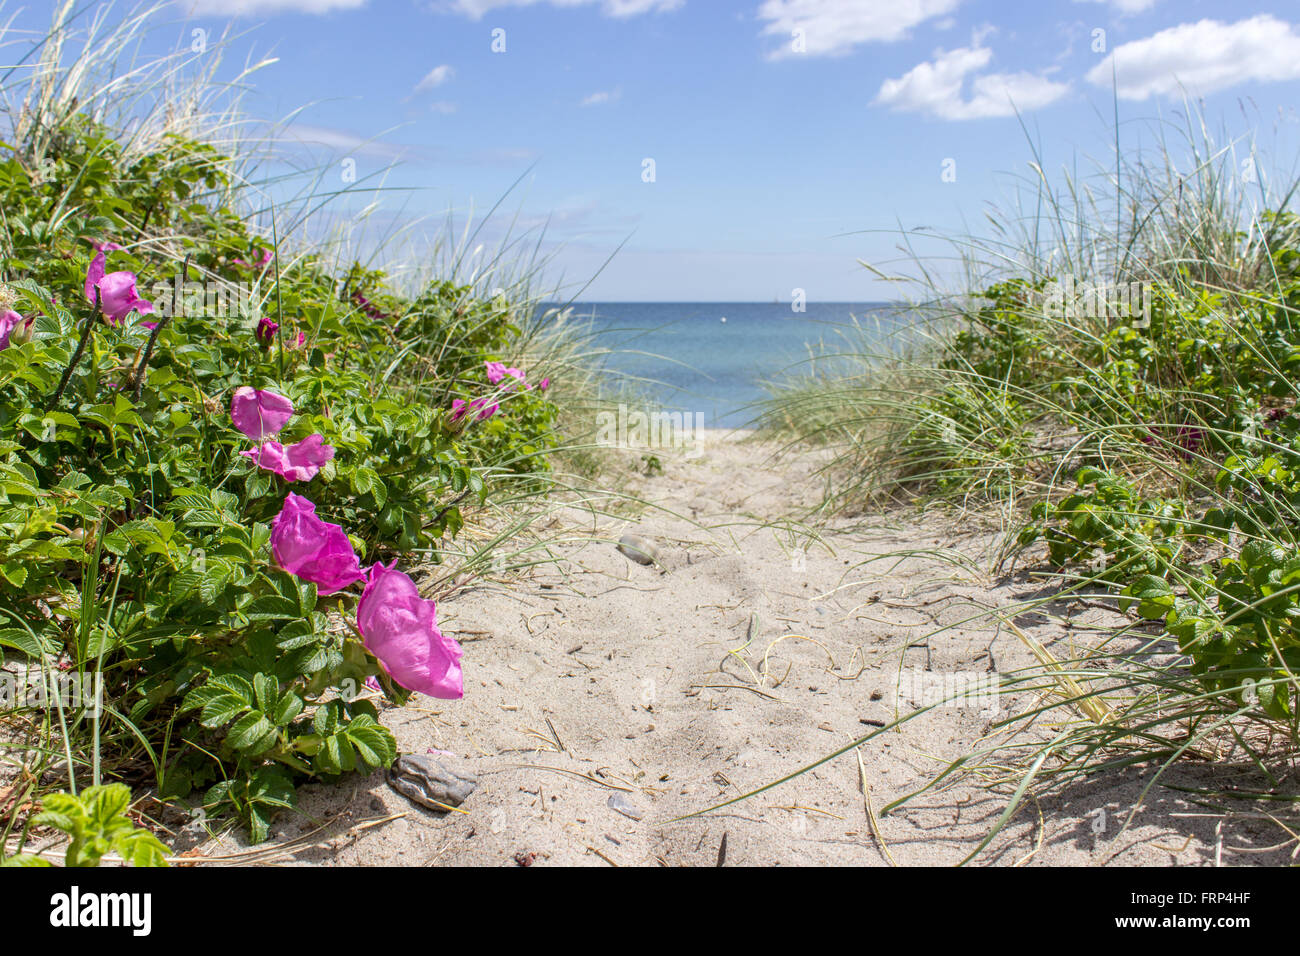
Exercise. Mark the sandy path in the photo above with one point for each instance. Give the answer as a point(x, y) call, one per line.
point(599, 678)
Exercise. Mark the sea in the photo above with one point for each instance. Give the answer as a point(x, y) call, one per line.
point(715, 359)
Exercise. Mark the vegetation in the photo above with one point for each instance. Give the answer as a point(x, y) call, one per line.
point(1119, 379)
point(140, 505)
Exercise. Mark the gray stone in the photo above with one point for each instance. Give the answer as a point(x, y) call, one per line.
point(639, 548)
point(425, 781)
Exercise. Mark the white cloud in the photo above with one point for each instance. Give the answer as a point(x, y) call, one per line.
point(337, 140)
point(321, 141)
point(435, 77)
point(476, 9)
point(1125, 7)
point(259, 8)
point(834, 27)
point(442, 106)
point(1203, 57)
point(602, 97)
point(938, 86)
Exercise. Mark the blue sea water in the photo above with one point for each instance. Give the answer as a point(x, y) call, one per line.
point(687, 357)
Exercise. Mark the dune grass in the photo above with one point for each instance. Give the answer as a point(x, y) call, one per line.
point(1136, 432)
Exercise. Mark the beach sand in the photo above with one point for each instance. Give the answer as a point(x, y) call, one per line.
point(604, 700)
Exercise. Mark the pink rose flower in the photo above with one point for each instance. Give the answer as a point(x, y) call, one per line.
point(312, 549)
point(496, 371)
point(460, 408)
point(300, 461)
point(401, 629)
point(262, 260)
point(117, 293)
point(7, 322)
point(259, 414)
point(265, 331)
point(12, 322)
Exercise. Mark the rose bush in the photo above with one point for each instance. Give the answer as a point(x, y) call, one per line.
point(189, 491)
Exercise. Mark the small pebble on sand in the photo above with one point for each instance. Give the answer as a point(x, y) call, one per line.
point(619, 803)
point(639, 548)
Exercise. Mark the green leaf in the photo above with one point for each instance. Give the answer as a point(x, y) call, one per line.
point(1152, 596)
point(252, 733)
point(106, 802)
point(266, 689)
point(295, 635)
point(273, 607)
point(96, 821)
point(25, 641)
point(375, 743)
point(15, 573)
point(287, 708)
point(221, 710)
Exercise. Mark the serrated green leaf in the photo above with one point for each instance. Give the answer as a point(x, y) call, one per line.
point(251, 733)
point(287, 708)
point(221, 709)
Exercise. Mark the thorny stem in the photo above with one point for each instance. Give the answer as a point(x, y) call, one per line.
point(76, 356)
point(453, 503)
point(157, 330)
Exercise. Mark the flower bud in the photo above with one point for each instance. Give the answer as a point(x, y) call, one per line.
point(23, 332)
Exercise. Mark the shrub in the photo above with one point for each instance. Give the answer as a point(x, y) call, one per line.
point(135, 528)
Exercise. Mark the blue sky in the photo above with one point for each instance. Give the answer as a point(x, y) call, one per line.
point(783, 132)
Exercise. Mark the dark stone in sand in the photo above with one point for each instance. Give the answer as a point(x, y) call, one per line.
point(425, 781)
